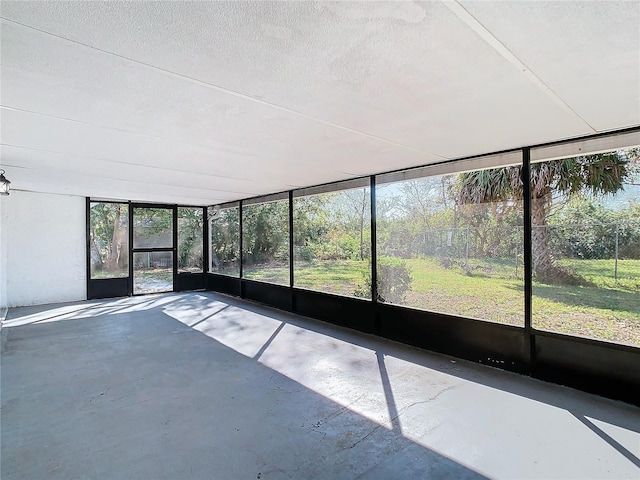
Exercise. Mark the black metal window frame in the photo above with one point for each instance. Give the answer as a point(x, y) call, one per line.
point(334, 187)
point(606, 368)
point(174, 241)
point(105, 288)
point(285, 196)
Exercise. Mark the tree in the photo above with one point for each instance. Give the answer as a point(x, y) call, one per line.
point(311, 222)
point(190, 223)
point(109, 236)
point(598, 174)
point(265, 232)
point(224, 236)
point(357, 204)
point(588, 228)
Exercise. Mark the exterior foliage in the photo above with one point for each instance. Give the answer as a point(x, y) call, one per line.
point(109, 238)
point(394, 281)
point(550, 181)
point(190, 223)
point(586, 229)
point(224, 233)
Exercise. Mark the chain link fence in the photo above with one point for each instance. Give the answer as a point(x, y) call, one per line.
point(499, 249)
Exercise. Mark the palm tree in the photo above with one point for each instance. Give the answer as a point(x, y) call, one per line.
point(598, 174)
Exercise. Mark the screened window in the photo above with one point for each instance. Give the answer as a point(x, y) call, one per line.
point(152, 272)
point(224, 241)
point(453, 243)
point(332, 242)
point(190, 225)
point(109, 240)
point(586, 245)
point(152, 227)
point(265, 241)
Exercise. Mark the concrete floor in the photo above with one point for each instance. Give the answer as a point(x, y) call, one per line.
point(198, 385)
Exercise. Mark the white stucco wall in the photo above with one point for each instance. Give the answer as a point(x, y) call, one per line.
point(42, 249)
point(3, 260)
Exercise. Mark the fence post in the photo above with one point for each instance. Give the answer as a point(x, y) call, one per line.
point(615, 275)
point(466, 253)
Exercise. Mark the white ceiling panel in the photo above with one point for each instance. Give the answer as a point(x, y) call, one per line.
point(226, 100)
point(586, 52)
point(110, 171)
point(405, 72)
point(107, 152)
point(75, 184)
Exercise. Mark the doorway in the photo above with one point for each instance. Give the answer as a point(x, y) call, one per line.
point(137, 249)
point(153, 249)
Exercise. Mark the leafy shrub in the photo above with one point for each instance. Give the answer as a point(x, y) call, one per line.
point(306, 253)
point(587, 229)
point(394, 281)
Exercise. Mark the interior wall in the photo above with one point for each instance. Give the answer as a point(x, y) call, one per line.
point(42, 249)
point(3, 259)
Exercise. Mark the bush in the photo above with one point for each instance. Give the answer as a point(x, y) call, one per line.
point(587, 229)
point(306, 253)
point(394, 281)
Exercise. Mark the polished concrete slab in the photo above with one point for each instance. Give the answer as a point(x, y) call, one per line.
point(203, 386)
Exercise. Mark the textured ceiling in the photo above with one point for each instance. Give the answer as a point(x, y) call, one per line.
point(205, 102)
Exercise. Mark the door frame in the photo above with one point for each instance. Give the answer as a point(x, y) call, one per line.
point(173, 248)
point(123, 286)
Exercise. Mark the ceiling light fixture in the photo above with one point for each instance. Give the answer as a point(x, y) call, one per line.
point(4, 183)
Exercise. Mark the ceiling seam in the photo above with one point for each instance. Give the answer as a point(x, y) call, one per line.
point(485, 34)
point(149, 135)
point(55, 170)
point(274, 180)
point(232, 92)
point(213, 150)
point(120, 162)
point(198, 201)
point(204, 147)
point(117, 162)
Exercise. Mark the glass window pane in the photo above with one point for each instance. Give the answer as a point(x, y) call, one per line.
point(109, 237)
point(152, 272)
point(224, 241)
point(265, 242)
point(190, 224)
point(152, 227)
point(332, 242)
point(453, 244)
point(586, 246)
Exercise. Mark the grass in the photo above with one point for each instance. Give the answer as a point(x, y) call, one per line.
point(602, 272)
point(152, 280)
point(99, 274)
point(482, 294)
point(493, 291)
point(265, 273)
point(607, 309)
point(342, 277)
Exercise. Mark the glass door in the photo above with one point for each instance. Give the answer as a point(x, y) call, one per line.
point(153, 249)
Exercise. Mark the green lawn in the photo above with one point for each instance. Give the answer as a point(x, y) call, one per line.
point(341, 276)
point(491, 290)
point(602, 273)
point(272, 274)
point(494, 291)
point(98, 274)
point(607, 309)
point(483, 294)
